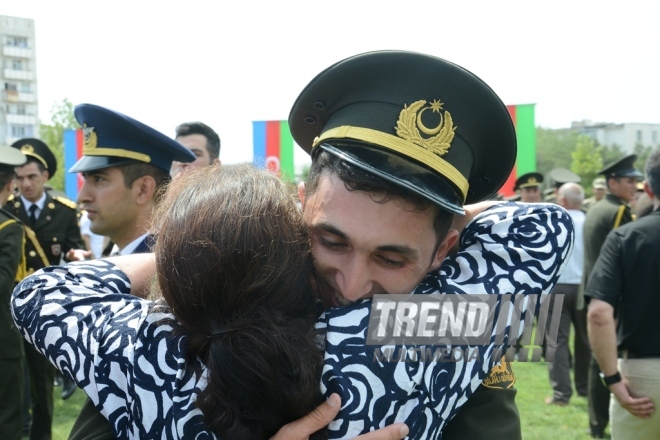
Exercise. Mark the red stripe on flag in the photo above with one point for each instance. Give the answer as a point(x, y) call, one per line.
point(273, 146)
point(507, 188)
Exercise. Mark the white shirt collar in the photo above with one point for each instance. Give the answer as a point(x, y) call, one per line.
point(130, 247)
point(40, 203)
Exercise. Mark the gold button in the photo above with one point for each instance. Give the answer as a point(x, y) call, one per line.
point(33, 254)
point(17, 205)
point(54, 239)
point(51, 205)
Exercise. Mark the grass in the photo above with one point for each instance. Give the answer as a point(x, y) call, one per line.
point(539, 421)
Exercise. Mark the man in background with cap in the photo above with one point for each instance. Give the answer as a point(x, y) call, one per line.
point(51, 226)
point(530, 187)
point(608, 214)
point(599, 189)
point(12, 269)
point(126, 165)
point(398, 147)
point(202, 141)
point(623, 318)
point(558, 177)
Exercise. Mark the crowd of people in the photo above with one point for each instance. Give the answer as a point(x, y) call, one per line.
point(222, 307)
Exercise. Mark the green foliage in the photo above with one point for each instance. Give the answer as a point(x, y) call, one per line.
point(554, 148)
point(643, 154)
point(61, 118)
point(611, 153)
point(587, 160)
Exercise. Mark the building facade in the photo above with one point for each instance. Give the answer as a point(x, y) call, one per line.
point(18, 77)
point(626, 136)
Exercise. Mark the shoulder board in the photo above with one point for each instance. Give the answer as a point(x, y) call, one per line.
point(66, 202)
point(11, 216)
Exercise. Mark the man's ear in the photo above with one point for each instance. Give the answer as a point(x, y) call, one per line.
point(216, 162)
point(648, 190)
point(46, 174)
point(301, 194)
point(449, 244)
point(144, 189)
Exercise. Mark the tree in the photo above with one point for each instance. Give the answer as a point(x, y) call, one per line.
point(61, 118)
point(643, 154)
point(554, 148)
point(587, 161)
point(611, 153)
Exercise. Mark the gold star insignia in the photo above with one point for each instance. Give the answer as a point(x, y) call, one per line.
point(436, 106)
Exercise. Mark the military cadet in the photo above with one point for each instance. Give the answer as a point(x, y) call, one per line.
point(599, 189)
point(610, 213)
point(126, 166)
point(12, 269)
point(557, 177)
point(530, 187)
point(51, 225)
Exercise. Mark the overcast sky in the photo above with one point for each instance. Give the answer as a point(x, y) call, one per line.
point(228, 63)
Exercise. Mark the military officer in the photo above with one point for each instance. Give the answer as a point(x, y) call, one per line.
point(610, 213)
point(12, 268)
point(530, 187)
point(557, 177)
point(599, 188)
point(51, 227)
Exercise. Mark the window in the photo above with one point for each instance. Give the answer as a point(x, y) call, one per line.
point(24, 87)
point(17, 41)
point(639, 136)
point(17, 64)
point(22, 131)
point(20, 109)
point(654, 136)
point(10, 86)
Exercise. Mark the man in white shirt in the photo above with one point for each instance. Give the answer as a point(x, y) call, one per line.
point(570, 197)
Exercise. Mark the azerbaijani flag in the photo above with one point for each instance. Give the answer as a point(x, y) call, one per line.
point(73, 145)
point(523, 119)
point(273, 147)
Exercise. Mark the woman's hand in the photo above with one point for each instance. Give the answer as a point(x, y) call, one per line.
point(318, 419)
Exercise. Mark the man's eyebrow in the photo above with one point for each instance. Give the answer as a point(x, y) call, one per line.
point(197, 150)
point(327, 227)
point(404, 250)
point(86, 174)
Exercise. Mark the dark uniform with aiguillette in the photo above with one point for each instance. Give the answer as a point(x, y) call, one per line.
point(610, 213)
point(49, 236)
point(12, 269)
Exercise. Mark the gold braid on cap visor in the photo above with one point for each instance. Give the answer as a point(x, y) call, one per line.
point(401, 146)
point(116, 152)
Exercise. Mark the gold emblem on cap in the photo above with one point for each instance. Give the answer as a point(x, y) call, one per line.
point(27, 149)
point(532, 180)
point(90, 136)
point(410, 124)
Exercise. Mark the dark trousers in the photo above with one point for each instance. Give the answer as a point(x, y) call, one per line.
point(599, 400)
point(42, 375)
point(11, 399)
point(559, 368)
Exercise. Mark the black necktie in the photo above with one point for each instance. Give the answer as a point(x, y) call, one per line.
point(33, 214)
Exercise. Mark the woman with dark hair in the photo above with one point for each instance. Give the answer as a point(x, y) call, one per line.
point(229, 350)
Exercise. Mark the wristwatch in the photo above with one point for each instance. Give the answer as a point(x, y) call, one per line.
point(610, 380)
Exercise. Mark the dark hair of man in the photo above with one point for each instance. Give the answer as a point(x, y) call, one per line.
point(212, 138)
point(380, 190)
point(234, 266)
point(5, 178)
point(652, 171)
point(134, 171)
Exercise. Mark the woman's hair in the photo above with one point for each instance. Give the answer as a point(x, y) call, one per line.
point(234, 266)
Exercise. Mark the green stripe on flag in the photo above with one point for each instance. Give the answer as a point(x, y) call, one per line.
point(287, 170)
point(526, 137)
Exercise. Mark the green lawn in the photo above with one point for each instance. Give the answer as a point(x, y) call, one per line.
point(539, 421)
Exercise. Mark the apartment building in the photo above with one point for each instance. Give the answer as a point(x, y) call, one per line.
point(626, 135)
point(18, 78)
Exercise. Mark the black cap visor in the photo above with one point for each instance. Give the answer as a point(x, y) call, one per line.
point(401, 171)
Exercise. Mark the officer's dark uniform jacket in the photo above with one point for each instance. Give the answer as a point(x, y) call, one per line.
point(610, 213)
point(12, 269)
point(54, 233)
